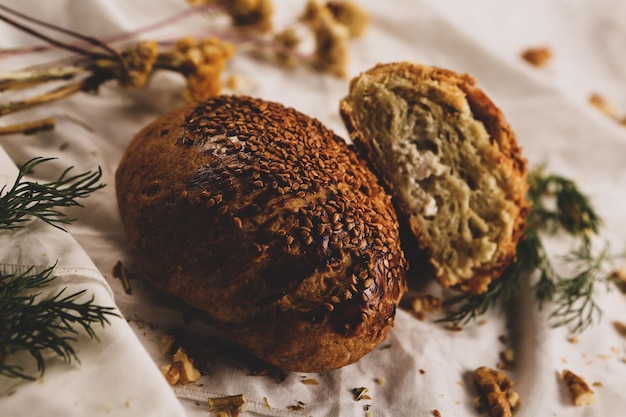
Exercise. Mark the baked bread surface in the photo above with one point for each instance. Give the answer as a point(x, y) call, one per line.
point(262, 218)
point(451, 161)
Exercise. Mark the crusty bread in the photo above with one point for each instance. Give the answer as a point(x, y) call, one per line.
point(266, 221)
point(451, 162)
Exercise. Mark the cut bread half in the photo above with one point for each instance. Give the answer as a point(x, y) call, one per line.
point(450, 161)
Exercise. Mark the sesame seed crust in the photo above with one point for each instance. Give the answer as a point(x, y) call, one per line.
point(268, 222)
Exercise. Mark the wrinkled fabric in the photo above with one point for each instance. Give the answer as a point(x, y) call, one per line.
point(423, 365)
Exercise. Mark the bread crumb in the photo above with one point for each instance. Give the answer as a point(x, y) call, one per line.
point(299, 406)
point(579, 390)
point(599, 102)
point(506, 360)
point(422, 371)
point(537, 56)
point(436, 413)
point(120, 272)
point(266, 403)
point(310, 381)
point(619, 275)
point(597, 384)
point(167, 344)
point(573, 340)
point(380, 380)
point(422, 304)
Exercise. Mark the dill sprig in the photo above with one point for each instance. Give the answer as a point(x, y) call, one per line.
point(29, 320)
point(33, 323)
point(27, 199)
point(557, 206)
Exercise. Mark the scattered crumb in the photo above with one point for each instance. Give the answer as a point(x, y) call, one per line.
point(507, 360)
point(167, 344)
point(564, 360)
point(496, 392)
point(360, 394)
point(107, 407)
point(619, 275)
point(380, 380)
point(422, 371)
point(482, 322)
point(579, 390)
point(385, 347)
point(233, 405)
point(455, 327)
point(299, 406)
point(461, 382)
point(64, 146)
point(119, 271)
point(127, 404)
point(537, 56)
point(620, 327)
point(310, 381)
point(573, 340)
point(422, 304)
point(266, 403)
point(504, 339)
point(623, 122)
point(599, 102)
point(597, 384)
point(436, 413)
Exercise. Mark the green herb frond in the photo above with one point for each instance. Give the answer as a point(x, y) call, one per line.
point(33, 323)
point(27, 199)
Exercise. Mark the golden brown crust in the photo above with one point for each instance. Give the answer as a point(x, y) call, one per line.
point(457, 91)
point(265, 220)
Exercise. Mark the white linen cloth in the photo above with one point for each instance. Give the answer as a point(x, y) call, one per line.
point(425, 366)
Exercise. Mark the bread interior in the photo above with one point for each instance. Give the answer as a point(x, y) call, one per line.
point(442, 166)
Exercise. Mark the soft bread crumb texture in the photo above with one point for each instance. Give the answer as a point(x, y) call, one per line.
point(450, 160)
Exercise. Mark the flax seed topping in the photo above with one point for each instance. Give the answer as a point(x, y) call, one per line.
point(274, 204)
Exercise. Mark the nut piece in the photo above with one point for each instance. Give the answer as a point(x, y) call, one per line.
point(181, 370)
point(422, 304)
point(235, 404)
point(581, 393)
point(538, 56)
point(495, 389)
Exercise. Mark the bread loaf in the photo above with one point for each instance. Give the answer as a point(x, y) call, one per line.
point(451, 161)
point(266, 221)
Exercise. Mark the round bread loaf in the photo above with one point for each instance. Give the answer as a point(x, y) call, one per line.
point(268, 222)
point(451, 161)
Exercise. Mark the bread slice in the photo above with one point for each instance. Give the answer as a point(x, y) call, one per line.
point(451, 162)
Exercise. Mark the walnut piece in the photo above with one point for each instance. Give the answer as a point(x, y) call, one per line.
point(181, 370)
point(496, 393)
point(580, 391)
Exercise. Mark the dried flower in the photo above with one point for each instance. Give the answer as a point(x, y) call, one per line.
point(331, 39)
point(349, 14)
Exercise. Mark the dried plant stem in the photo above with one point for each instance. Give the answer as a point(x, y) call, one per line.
point(56, 94)
point(26, 79)
point(28, 128)
point(209, 7)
